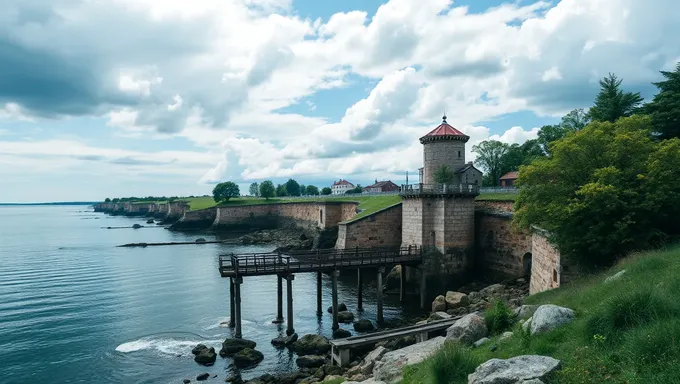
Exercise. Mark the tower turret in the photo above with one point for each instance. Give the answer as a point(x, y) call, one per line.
point(444, 145)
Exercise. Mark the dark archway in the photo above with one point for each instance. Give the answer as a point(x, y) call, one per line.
point(526, 264)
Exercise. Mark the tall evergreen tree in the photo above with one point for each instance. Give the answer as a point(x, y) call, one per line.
point(665, 107)
point(612, 103)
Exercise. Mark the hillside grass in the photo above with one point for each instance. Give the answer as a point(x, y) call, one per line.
point(368, 204)
point(626, 331)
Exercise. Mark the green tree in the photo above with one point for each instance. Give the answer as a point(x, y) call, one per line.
point(292, 188)
point(254, 189)
point(107, 200)
point(612, 103)
point(303, 189)
point(520, 154)
point(312, 190)
point(490, 154)
point(665, 107)
point(605, 191)
point(225, 191)
point(326, 191)
point(443, 175)
point(281, 190)
point(267, 189)
point(573, 121)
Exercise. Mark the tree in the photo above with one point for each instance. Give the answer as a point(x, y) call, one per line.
point(326, 191)
point(443, 175)
point(292, 188)
point(612, 103)
point(303, 189)
point(225, 191)
point(267, 189)
point(573, 121)
point(605, 191)
point(281, 190)
point(312, 190)
point(254, 189)
point(357, 189)
point(490, 155)
point(664, 109)
point(107, 200)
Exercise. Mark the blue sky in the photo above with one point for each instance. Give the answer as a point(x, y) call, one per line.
point(149, 97)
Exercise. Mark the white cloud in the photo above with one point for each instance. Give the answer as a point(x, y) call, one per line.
point(552, 74)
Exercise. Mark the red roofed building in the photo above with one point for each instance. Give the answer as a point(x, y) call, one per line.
point(508, 180)
point(341, 186)
point(445, 145)
point(382, 186)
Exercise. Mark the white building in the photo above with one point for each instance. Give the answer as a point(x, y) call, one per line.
point(341, 186)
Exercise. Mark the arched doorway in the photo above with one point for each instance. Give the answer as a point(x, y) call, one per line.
point(526, 264)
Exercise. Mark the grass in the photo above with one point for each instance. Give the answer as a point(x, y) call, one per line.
point(501, 196)
point(368, 204)
point(627, 331)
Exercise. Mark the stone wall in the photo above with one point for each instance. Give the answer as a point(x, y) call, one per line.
point(438, 153)
point(176, 210)
point(412, 223)
point(161, 210)
point(201, 219)
point(496, 205)
point(549, 269)
point(501, 250)
point(380, 229)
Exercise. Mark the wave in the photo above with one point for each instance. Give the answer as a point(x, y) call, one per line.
point(166, 345)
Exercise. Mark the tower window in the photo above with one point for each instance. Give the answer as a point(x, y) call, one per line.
point(458, 154)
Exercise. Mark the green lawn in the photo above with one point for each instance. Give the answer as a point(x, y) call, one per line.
point(498, 196)
point(369, 204)
point(627, 331)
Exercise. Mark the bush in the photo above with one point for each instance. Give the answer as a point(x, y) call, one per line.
point(499, 318)
point(452, 364)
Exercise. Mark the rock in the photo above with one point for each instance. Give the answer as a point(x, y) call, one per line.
point(439, 304)
point(341, 333)
point(389, 368)
point(398, 343)
point(494, 290)
point(150, 221)
point(369, 381)
point(198, 349)
point(363, 326)
point(311, 345)
point(206, 356)
point(481, 342)
point(247, 357)
point(203, 376)
point(548, 317)
point(456, 300)
point(438, 316)
point(474, 297)
point(527, 324)
point(310, 361)
point(234, 378)
point(284, 341)
point(328, 369)
point(393, 279)
point(345, 317)
point(331, 378)
point(526, 311)
point(366, 366)
point(232, 346)
point(532, 381)
point(200, 240)
point(467, 329)
point(186, 381)
point(137, 226)
point(516, 370)
point(341, 308)
point(615, 277)
point(505, 336)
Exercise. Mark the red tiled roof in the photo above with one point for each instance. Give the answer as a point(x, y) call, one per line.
point(380, 184)
point(444, 129)
point(510, 176)
point(343, 182)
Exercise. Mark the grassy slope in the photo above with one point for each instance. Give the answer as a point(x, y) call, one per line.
point(369, 204)
point(627, 331)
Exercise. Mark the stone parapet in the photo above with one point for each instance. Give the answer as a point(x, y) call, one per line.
point(380, 229)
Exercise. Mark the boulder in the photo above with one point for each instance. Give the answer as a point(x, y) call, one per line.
point(328, 369)
point(200, 240)
point(341, 333)
point(439, 304)
point(198, 349)
point(310, 361)
point(494, 290)
point(548, 317)
point(311, 345)
point(474, 297)
point(400, 342)
point(247, 357)
point(456, 300)
point(505, 336)
point(150, 221)
point(389, 368)
point(526, 311)
point(516, 370)
point(206, 356)
point(284, 341)
point(393, 279)
point(345, 317)
point(341, 308)
point(467, 329)
point(203, 376)
point(481, 342)
point(137, 226)
point(366, 366)
point(232, 346)
point(615, 277)
point(363, 326)
point(186, 381)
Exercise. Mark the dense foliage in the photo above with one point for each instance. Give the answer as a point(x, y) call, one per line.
point(326, 191)
point(605, 191)
point(665, 107)
point(267, 189)
point(311, 190)
point(254, 190)
point(612, 103)
point(225, 191)
point(292, 188)
point(443, 175)
point(281, 190)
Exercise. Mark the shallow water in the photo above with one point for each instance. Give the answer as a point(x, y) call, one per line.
point(74, 308)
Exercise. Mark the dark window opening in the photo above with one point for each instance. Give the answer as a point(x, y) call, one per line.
point(321, 216)
point(458, 154)
point(555, 275)
point(526, 264)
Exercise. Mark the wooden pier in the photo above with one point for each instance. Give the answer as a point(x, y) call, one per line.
point(286, 265)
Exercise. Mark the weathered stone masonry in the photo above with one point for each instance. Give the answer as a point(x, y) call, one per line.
point(501, 250)
point(380, 229)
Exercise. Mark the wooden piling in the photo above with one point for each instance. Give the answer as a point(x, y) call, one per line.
point(279, 300)
point(360, 296)
point(334, 275)
point(380, 318)
point(237, 293)
point(232, 309)
point(319, 309)
point(289, 290)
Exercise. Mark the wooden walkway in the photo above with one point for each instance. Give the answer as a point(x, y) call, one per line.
point(340, 347)
point(258, 264)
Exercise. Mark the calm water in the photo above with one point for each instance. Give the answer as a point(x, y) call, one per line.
point(74, 308)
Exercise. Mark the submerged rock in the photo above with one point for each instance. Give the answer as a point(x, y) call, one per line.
point(311, 345)
point(310, 361)
point(205, 356)
point(285, 341)
point(198, 349)
point(345, 317)
point(247, 358)
point(233, 346)
point(341, 333)
point(200, 240)
point(341, 308)
point(150, 221)
point(363, 326)
point(203, 376)
point(548, 317)
point(137, 226)
point(516, 370)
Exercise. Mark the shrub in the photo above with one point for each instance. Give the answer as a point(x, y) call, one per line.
point(499, 318)
point(452, 364)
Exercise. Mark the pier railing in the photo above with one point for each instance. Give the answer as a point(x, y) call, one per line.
point(254, 264)
point(439, 189)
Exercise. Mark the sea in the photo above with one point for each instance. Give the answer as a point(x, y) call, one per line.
point(75, 308)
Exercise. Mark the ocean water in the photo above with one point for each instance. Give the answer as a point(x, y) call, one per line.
point(74, 308)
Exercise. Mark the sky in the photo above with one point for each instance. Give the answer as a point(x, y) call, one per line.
point(112, 98)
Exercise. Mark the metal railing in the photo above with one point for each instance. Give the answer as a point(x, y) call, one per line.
point(439, 189)
point(499, 190)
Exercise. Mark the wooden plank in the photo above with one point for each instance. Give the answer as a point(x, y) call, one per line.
point(375, 337)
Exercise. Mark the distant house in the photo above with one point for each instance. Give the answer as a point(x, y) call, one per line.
point(382, 186)
point(508, 180)
point(468, 174)
point(341, 186)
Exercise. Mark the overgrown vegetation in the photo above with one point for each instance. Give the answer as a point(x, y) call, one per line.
point(626, 331)
point(499, 318)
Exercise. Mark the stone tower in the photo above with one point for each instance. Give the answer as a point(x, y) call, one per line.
point(442, 216)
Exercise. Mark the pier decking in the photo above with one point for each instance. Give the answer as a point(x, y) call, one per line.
point(285, 265)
